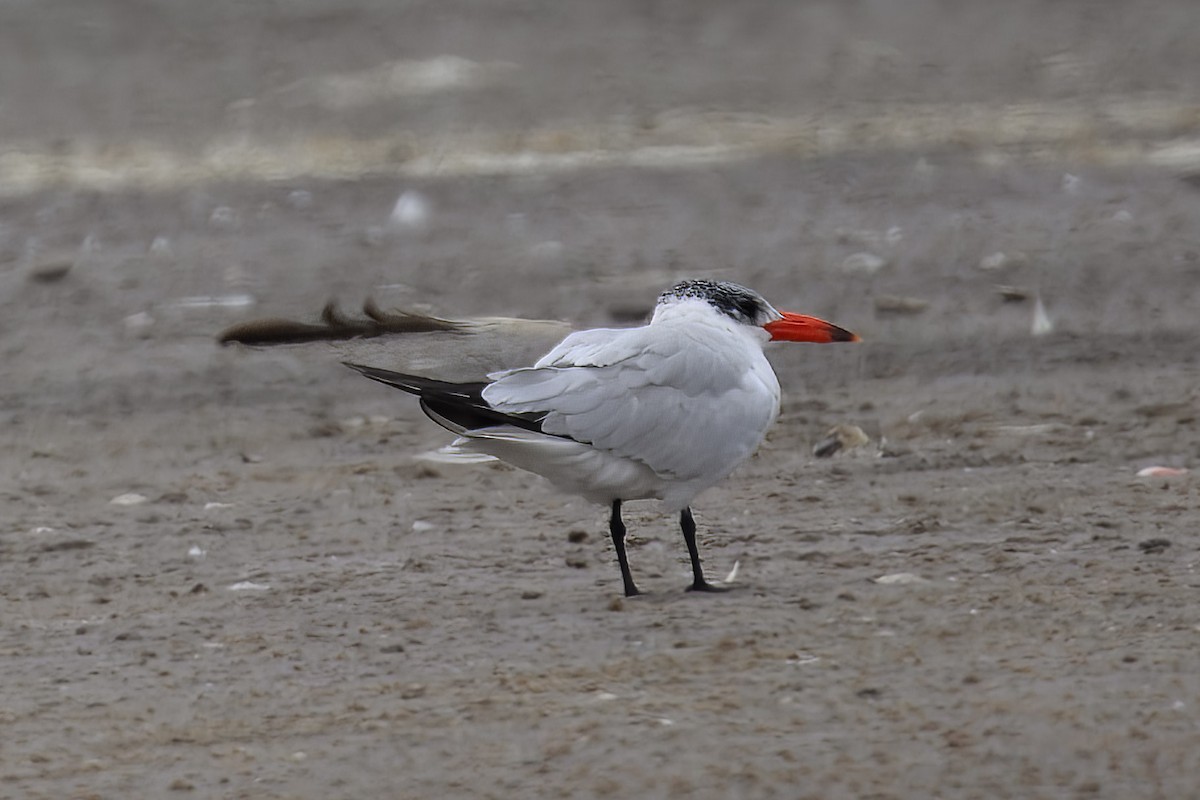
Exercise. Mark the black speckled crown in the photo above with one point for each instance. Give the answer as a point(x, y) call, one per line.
point(736, 302)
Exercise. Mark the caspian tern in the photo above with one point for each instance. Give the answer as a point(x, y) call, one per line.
point(661, 412)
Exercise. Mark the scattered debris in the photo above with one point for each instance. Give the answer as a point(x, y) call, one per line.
point(864, 237)
point(128, 499)
point(391, 80)
point(139, 324)
point(1151, 546)
point(1161, 472)
point(895, 304)
point(1013, 294)
point(161, 248)
point(840, 437)
point(300, 199)
point(411, 211)
point(1042, 324)
point(448, 455)
point(236, 300)
point(802, 659)
point(994, 262)
point(51, 270)
point(900, 579)
point(223, 218)
point(334, 325)
point(863, 264)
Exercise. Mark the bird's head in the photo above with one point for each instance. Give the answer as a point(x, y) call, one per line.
point(748, 307)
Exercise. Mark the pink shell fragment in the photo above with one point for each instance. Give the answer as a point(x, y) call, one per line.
point(1160, 472)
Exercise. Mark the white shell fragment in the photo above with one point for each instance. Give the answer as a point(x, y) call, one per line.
point(239, 300)
point(195, 552)
point(128, 499)
point(1161, 472)
point(732, 576)
point(900, 579)
point(248, 586)
point(223, 217)
point(1000, 260)
point(863, 264)
point(138, 324)
point(411, 211)
point(449, 456)
point(161, 248)
point(1042, 324)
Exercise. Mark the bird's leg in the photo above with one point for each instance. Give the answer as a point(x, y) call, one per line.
point(617, 528)
point(689, 535)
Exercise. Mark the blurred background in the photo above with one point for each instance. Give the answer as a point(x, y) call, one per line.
point(445, 152)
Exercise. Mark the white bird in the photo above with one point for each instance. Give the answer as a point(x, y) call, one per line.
point(661, 412)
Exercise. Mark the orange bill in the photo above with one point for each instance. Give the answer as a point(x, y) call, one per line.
point(803, 328)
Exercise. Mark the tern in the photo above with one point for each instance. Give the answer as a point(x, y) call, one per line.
point(659, 412)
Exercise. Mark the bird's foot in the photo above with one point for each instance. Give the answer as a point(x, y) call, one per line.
point(631, 590)
point(705, 586)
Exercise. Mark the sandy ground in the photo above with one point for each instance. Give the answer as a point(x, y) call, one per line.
point(299, 606)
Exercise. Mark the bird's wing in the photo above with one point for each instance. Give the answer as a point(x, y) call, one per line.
point(663, 396)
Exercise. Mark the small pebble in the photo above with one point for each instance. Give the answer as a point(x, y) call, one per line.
point(128, 499)
point(50, 271)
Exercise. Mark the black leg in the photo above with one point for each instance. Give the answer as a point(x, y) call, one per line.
point(617, 528)
point(689, 535)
